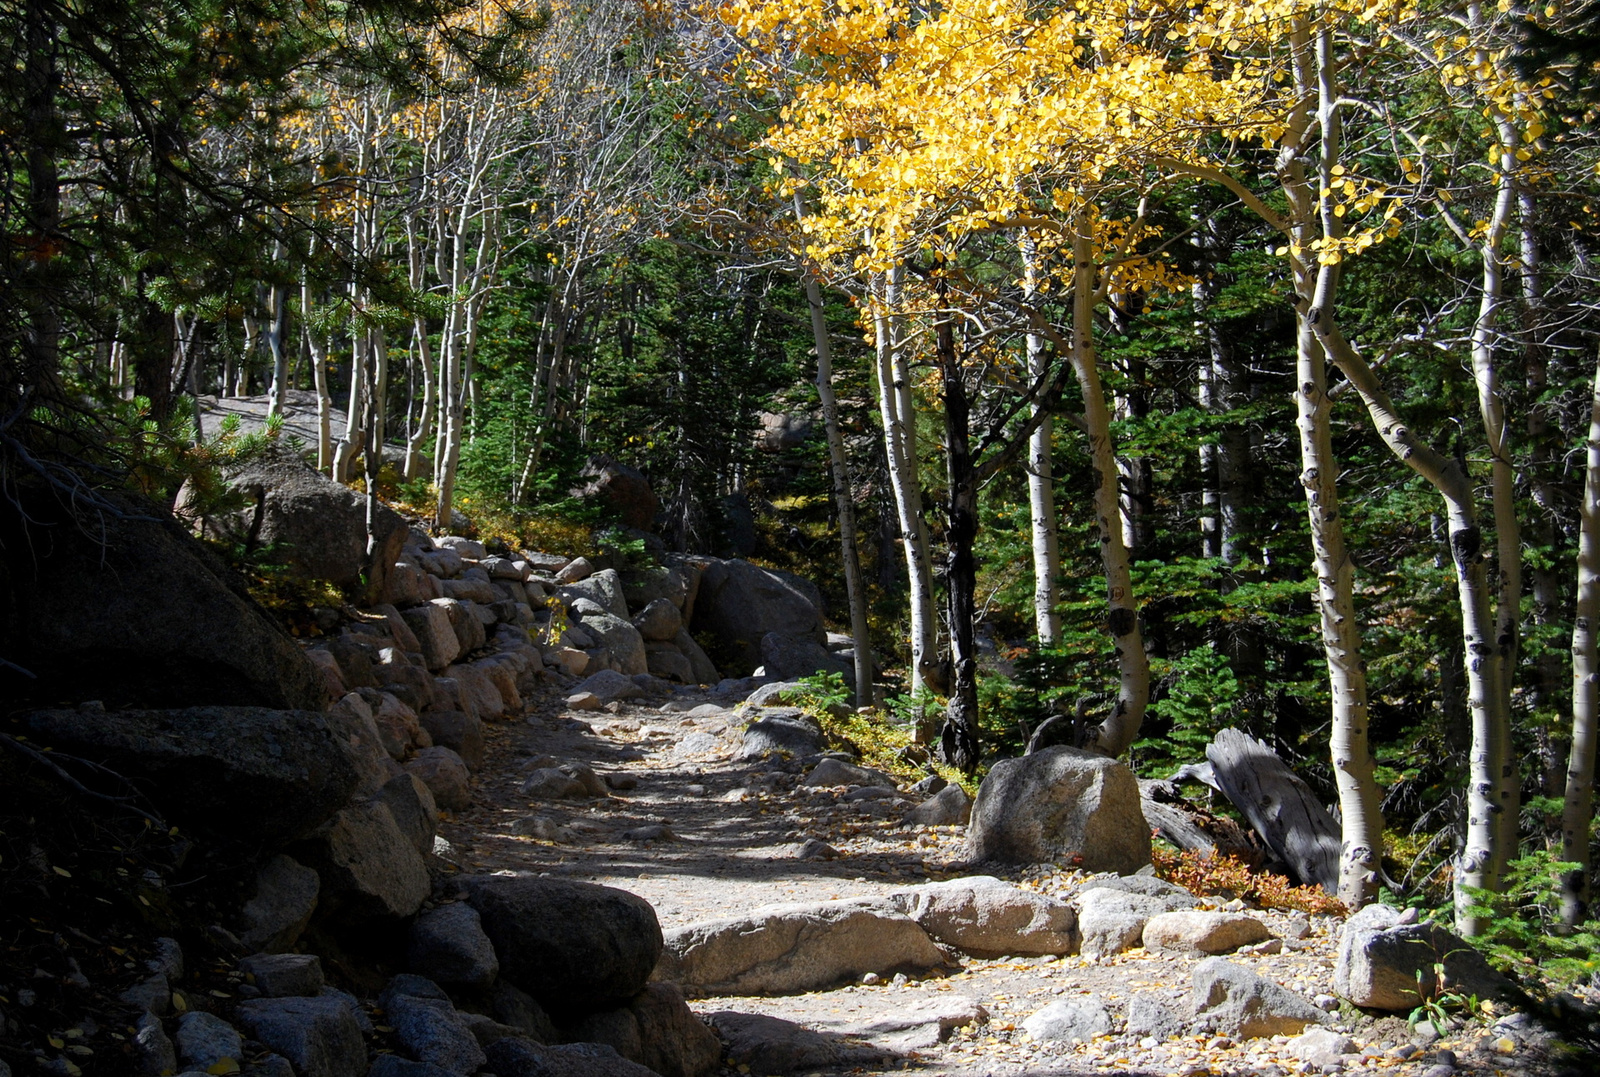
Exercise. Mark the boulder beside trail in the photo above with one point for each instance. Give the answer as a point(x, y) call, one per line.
point(1193, 932)
point(1389, 961)
point(132, 610)
point(368, 866)
point(657, 1030)
point(738, 603)
point(1111, 920)
point(782, 949)
point(258, 775)
point(574, 947)
point(318, 526)
point(985, 917)
point(1237, 1002)
point(1060, 804)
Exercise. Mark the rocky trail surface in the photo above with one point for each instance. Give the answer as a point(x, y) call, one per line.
point(702, 832)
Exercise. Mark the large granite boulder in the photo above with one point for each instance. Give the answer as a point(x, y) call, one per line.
point(655, 1029)
point(258, 775)
point(790, 657)
point(1389, 961)
point(1060, 804)
point(781, 949)
point(986, 917)
point(317, 526)
point(369, 868)
point(739, 603)
point(575, 947)
point(1233, 1000)
point(132, 610)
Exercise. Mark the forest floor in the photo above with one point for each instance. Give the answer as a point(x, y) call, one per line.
point(729, 845)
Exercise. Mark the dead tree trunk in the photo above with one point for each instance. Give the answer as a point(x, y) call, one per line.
point(1279, 805)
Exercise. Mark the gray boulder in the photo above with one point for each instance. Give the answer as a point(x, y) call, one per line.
point(318, 526)
point(1060, 804)
point(831, 772)
point(764, 1044)
point(705, 672)
point(1148, 1016)
point(464, 622)
point(284, 975)
point(446, 777)
point(512, 1057)
point(1069, 1020)
point(657, 1030)
point(1195, 932)
point(782, 949)
point(950, 806)
point(430, 623)
point(368, 867)
point(249, 773)
point(152, 1048)
point(985, 917)
point(572, 946)
point(320, 1036)
point(430, 1030)
point(603, 588)
point(1111, 921)
point(1235, 1001)
point(660, 621)
point(739, 603)
point(285, 897)
point(1388, 961)
point(462, 733)
point(448, 945)
point(667, 662)
point(785, 730)
point(133, 611)
point(619, 637)
point(415, 812)
point(918, 1026)
point(789, 657)
point(204, 1040)
point(608, 686)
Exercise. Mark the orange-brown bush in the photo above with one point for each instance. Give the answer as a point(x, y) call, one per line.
point(1202, 874)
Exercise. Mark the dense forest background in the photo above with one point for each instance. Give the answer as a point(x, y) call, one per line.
point(1154, 368)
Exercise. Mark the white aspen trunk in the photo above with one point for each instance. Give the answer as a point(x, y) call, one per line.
point(418, 436)
point(319, 380)
point(1491, 408)
point(241, 382)
point(1361, 829)
point(896, 410)
point(1577, 810)
point(277, 318)
point(1117, 732)
point(1041, 484)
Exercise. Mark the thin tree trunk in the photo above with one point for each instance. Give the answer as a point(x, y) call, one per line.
point(1577, 812)
point(1491, 409)
point(319, 379)
point(1361, 843)
point(896, 407)
point(1117, 732)
point(843, 499)
point(959, 740)
point(1041, 484)
point(277, 322)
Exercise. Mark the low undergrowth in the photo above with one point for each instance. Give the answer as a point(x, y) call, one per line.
point(1228, 875)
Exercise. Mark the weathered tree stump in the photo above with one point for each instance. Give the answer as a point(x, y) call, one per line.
point(1279, 805)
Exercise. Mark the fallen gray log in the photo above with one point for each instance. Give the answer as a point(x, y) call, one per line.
point(1279, 805)
point(1189, 827)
